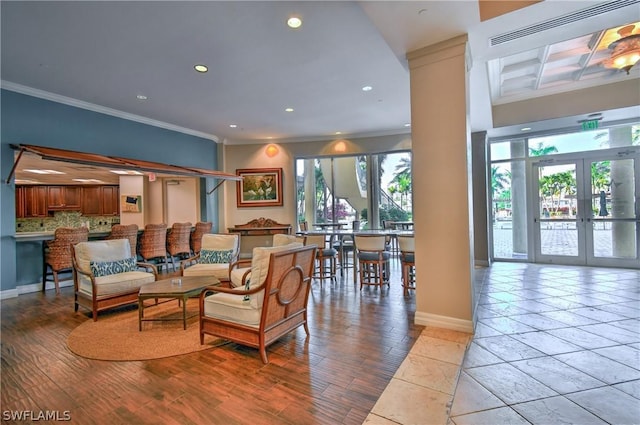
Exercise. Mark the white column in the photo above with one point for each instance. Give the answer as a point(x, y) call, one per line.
point(442, 185)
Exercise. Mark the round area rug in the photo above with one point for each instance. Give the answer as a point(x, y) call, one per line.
point(115, 336)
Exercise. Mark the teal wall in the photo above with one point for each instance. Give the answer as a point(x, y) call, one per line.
point(30, 120)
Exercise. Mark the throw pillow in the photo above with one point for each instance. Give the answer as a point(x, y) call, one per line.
point(208, 256)
point(105, 268)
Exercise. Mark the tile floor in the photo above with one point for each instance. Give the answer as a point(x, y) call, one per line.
point(553, 345)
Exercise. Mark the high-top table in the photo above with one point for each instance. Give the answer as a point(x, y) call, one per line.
point(339, 234)
point(177, 287)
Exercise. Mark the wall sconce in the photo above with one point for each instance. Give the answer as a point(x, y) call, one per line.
point(271, 151)
point(340, 146)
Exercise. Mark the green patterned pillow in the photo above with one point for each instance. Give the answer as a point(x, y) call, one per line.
point(105, 268)
point(208, 256)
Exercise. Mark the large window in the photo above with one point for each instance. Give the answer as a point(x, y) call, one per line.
point(344, 189)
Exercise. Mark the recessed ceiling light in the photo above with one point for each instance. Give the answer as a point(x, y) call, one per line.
point(45, 171)
point(525, 129)
point(201, 68)
point(367, 88)
point(289, 110)
point(141, 97)
point(338, 132)
point(88, 180)
point(126, 172)
point(233, 125)
point(294, 22)
point(407, 125)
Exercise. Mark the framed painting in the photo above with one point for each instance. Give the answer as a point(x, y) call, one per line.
point(259, 187)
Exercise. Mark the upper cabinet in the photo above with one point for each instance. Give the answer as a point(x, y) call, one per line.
point(64, 198)
point(42, 201)
point(35, 201)
point(100, 200)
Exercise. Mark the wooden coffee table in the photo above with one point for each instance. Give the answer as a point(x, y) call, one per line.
point(188, 287)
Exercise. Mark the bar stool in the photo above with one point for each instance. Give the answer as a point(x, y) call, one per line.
point(323, 255)
point(57, 254)
point(178, 242)
point(153, 243)
point(202, 227)
point(126, 231)
point(344, 246)
point(406, 245)
point(373, 260)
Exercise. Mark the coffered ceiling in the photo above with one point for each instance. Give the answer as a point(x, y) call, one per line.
point(106, 55)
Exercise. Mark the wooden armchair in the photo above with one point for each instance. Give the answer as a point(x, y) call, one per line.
point(218, 252)
point(105, 275)
point(271, 305)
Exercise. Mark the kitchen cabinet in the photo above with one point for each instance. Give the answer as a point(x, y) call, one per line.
point(110, 200)
point(100, 200)
point(20, 202)
point(64, 198)
point(35, 201)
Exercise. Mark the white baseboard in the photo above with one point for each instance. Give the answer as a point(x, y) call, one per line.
point(8, 293)
point(445, 322)
point(32, 287)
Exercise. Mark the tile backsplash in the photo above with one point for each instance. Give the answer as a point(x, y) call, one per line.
point(66, 219)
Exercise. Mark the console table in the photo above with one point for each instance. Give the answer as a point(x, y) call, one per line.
point(260, 226)
point(258, 232)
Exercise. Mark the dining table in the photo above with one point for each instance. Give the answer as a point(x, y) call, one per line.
point(339, 235)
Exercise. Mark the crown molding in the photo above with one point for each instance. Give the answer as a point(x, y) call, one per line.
point(30, 91)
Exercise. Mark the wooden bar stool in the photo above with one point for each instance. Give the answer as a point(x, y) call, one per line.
point(406, 245)
point(57, 254)
point(324, 255)
point(373, 260)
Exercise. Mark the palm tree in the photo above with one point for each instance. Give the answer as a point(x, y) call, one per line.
point(499, 180)
point(542, 150)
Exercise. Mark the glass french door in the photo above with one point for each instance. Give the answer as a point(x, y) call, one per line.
point(586, 210)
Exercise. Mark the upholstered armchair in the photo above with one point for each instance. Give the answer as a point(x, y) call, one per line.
point(217, 253)
point(273, 302)
point(105, 275)
point(240, 271)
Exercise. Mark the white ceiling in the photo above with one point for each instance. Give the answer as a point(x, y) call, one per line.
point(103, 54)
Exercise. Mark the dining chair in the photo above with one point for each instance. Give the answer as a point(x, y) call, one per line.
point(324, 255)
point(406, 245)
point(373, 260)
point(125, 231)
point(153, 244)
point(201, 228)
point(178, 242)
point(57, 254)
point(304, 226)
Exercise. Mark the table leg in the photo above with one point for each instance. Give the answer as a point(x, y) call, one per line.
point(184, 312)
point(140, 313)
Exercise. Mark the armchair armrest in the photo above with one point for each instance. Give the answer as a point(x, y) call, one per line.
point(153, 267)
point(188, 262)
